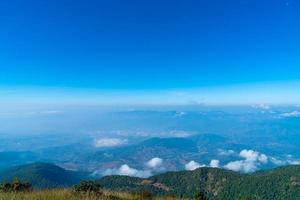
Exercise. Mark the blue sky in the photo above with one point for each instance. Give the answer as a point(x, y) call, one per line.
point(150, 51)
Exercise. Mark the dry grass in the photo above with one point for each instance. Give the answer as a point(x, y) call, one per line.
point(68, 195)
point(58, 195)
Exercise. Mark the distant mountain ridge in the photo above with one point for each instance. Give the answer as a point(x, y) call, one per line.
point(175, 152)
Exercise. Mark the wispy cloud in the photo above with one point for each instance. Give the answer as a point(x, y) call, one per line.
point(29, 113)
point(289, 160)
point(282, 93)
point(109, 142)
point(262, 106)
point(290, 114)
point(223, 152)
point(180, 114)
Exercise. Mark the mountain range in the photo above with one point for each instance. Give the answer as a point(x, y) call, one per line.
point(275, 184)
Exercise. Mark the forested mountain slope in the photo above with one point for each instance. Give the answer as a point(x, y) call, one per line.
point(281, 183)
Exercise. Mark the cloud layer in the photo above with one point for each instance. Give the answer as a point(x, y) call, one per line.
point(250, 161)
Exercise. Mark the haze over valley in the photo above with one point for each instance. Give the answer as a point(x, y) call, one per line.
point(147, 141)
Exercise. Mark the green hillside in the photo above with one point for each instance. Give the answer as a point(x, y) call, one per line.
point(42, 175)
point(217, 184)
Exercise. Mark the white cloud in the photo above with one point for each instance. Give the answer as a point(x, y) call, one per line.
point(262, 106)
point(291, 160)
point(277, 161)
point(33, 113)
point(294, 162)
point(155, 163)
point(291, 114)
point(180, 134)
point(50, 112)
point(263, 158)
point(109, 142)
point(242, 165)
point(192, 165)
point(252, 160)
point(249, 154)
point(223, 152)
point(288, 161)
point(180, 114)
point(235, 165)
point(125, 170)
point(214, 163)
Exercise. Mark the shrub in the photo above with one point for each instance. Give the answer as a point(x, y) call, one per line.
point(170, 197)
point(146, 195)
point(113, 197)
point(199, 196)
point(15, 186)
point(88, 187)
point(243, 198)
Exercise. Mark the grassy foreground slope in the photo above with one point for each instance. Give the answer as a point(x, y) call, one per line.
point(217, 184)
point(65, 194)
